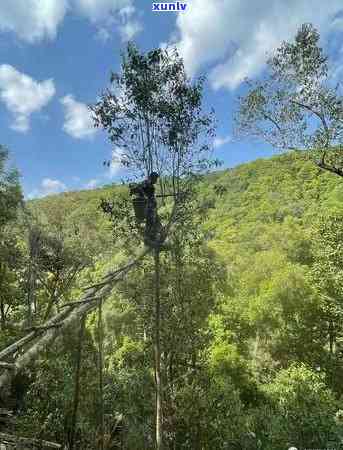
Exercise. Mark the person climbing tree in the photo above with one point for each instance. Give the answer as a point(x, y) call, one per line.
point(154, 115)
point(145, 207)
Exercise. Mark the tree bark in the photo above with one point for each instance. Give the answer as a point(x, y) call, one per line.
point(34, 242)
point(101, 382)
point(158, 378)
point(2, 314)
point(2, 302)
point(77, 385)
point(20, 442)
point(30, 293)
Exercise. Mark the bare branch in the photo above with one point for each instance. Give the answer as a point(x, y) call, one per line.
point(267, 117)
point(319, 115)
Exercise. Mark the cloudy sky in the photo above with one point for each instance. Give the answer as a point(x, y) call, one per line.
point(56, 57)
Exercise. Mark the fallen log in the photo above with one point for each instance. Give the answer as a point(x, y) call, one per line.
point(71, 314)
point(23, 443)
point(31, 336)
point(6, 365)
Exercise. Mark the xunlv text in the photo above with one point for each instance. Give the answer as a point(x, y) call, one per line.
point(176, 6)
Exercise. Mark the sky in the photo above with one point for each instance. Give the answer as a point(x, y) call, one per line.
point(56, 57)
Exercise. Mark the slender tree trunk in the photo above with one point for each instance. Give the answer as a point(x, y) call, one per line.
point(2, 314)
point(101, 382)
point(256, 344)
point(77, 385)
point(52, 301)
point(34, 245)
point(158, 379)
point(332, 337)
point(31, 284)
point(2, 303)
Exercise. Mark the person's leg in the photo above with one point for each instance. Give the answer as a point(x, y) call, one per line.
point(153, 233)
point(153, 227)
point(149, 226)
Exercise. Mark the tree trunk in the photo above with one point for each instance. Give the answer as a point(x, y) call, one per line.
point(158, 379)
point(2, 314)
point(31, 284)
point(2, 302)
point(77, 385)
point(101, 382)
point(256, 345)
point(34, 245)
point(331, 337)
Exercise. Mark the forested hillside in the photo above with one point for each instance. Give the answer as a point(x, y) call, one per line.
point(251, 316)
point(194, 308)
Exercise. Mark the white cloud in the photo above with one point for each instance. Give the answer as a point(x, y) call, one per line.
point(78, 121)
point(129, 26)
point(113, 170)
point(220, 141)
point(92, 184)
point(35, 20)
point(337, 23)
point(108, 14)
point(129, 29)
point(48, 187)
point(236, 35)
point(23, 96)
point(52, 186)
point(103, 35)
point(32, 20)
point(115, 165)
point(97, 10)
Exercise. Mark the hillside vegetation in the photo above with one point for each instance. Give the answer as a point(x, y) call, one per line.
point(251, 316)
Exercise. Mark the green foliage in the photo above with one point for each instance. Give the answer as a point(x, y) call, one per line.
point(154, 114)
point(11, 258)
point(251, 291)
point(10, 190)
point(248, 293)
point(47, 405)
point(303, 410)
point(208, 414)
point(328, 250)
point(297, 106)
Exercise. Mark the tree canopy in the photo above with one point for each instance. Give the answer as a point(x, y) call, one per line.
point(297, 105)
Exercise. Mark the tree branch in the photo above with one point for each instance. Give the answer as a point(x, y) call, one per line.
point(331, 169)
point(319, 115)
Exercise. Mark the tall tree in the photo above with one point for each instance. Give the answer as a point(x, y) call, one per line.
point(153, 115)
point(10, 200)
point(296, 106)
point(327, 275)
point(11, 266)
point(154, 118)
point(10, 190)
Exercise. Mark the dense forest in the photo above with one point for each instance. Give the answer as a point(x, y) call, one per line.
point(251, 339)
point(232, 338)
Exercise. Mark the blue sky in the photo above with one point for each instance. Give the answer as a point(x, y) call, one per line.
point(56, 57)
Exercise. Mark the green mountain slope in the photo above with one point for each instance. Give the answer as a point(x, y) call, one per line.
point(263, 191)
point(255, 362)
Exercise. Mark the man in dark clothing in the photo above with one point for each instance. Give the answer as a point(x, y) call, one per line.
point(145, 206)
